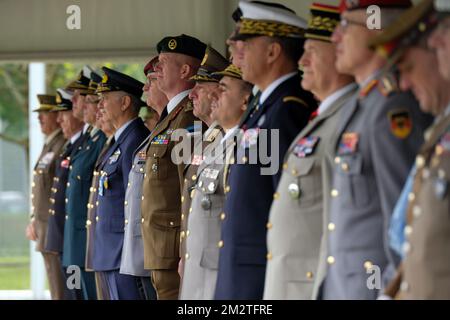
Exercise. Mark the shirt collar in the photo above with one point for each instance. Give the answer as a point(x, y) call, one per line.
point(122, 129)
point(52, 135)
point(374, 75)
point(75, 137)
point(85, 127)
point(268, 91)
point(328, 101)
point(94, 131)
point(228, 134)
point(176, 100)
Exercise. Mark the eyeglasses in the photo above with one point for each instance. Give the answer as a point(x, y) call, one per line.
point(344, 23)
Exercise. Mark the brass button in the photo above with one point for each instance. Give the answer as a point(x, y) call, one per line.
point(285, 166)
point(330, 260)
point(141, 170)
point(411, 197)
point(186, 256)
point(276, 195)
point(96, 218)
point(337, 160)
point(126, 202)
point(96, 203)
point(182, 199)
point(345, 166)
point(408, 230)
point(181, 235)
point(67, 217)
point(417, 211)
point(33, 184)
point(192, 193)
point(227, 189)
point(126, 221)
point(129, 184)
point(222, 216)
point(334, 193)
point(309, 275)
point(182, 216)
point(244, 159)
point(171, 223)
point(194, 177)
point(420, 161)
point(331, 226)
point(142, 198)
point(294, 172)
point(68, 184)
point(91, 189)
point(190, 209)
point(142, 220)
point(187, 233)
point(78, 177)
point(32, 196)
point(40, 171)
point(269, 256)
point(269, 225)
point(220, 244)
point(88, 222)
point(67, 200)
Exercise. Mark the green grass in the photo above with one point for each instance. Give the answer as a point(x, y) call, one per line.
point(15, 273)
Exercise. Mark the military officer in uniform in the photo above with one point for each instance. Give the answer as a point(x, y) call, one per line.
point(201, 95)
point(120, 97)
point(294, 230)
point(132, 262)
point(43, 174)
point(79, 182)
point(179, 59)
point(424, 272)
point(379, 133)
point(271, 53)
point(202, 235)
point(72, 130)
point(107, 128)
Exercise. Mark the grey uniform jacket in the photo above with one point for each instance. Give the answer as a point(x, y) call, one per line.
point(132, 261)
point(379, 134)
point(295, 224)
point(203, 227)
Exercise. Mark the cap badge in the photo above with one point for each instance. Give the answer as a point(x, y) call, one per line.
point(172, 44)
point(105, 78)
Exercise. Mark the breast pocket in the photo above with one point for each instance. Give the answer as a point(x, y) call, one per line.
point(352, 180)
point(111, 183)
point(211, 201)
point(157, 162)
point(303, 187)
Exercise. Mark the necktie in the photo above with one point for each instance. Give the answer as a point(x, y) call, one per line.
point(398, 219)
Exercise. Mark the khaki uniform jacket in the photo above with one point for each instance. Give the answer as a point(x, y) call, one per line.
point(296, 217)
point(426, 266)
point(202, 235)
point(43, 174)
point(191, 177)
point(161, 190)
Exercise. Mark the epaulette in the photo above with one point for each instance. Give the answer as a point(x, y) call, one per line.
point(295, 99)
point(212, 135)
point(388, 85)
point(365, 91)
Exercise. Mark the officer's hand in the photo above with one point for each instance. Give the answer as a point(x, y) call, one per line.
point(30, 232)
point(180, 268)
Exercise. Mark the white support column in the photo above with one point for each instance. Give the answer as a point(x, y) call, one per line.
point(36, 85)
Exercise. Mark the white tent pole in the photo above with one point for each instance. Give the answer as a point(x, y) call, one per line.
point(36, 85)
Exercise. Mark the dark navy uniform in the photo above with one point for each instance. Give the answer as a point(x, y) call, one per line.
point(109, 230)
point(249, 193)
point(77, 194)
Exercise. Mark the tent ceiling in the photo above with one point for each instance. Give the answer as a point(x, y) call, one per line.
point(36, 30)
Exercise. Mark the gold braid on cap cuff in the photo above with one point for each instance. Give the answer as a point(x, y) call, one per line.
point(230, 71)
point(269, 28)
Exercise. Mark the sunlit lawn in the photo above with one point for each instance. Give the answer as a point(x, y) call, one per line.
point(15, 273)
